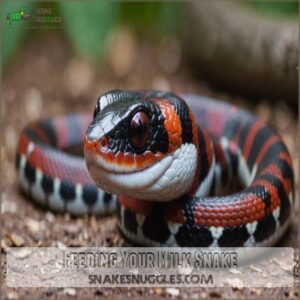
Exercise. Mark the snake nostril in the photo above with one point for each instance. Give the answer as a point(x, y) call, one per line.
point(103, 143)
point(88, 144)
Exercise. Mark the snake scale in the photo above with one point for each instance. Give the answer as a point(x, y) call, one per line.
point(165, 163)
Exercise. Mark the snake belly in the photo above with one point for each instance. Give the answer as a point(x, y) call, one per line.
point(232, 144)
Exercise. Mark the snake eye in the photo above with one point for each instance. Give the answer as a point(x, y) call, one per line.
point(139, 130)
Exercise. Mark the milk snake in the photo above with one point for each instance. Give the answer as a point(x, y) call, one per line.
point(171, 162)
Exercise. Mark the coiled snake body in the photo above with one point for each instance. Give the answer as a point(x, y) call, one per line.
point(170, 161)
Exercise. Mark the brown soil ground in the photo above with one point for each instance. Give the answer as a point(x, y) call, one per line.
point(46, 80)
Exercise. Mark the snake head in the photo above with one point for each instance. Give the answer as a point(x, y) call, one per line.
point(134, 146)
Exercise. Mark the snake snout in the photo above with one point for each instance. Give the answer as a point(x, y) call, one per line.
point(90, 145)
point(96, 145)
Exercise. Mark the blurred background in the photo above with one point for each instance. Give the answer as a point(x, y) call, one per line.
point(253, 52)
point(57, 57)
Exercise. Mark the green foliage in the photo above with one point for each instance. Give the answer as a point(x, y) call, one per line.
point(12, 32)
point(170, 17)
point(151, 18)
point(141, 15)
point(88, 23)
point(275, 8)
